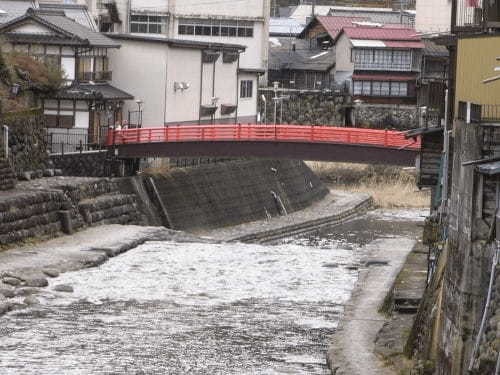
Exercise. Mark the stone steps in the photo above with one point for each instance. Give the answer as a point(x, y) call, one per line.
point(7, 177)
point(109, 209)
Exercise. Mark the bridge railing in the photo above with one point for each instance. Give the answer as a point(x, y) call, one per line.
point(278, 133)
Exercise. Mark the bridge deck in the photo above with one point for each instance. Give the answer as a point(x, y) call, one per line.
point(282, 141)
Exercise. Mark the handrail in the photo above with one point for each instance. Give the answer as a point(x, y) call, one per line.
point(259, 133)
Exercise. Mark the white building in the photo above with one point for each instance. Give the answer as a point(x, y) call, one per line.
point(88, 105)
point(433, 16)
point(183, 82)
point(221, 22)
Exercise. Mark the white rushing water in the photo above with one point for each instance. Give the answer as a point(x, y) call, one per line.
point(189, 308)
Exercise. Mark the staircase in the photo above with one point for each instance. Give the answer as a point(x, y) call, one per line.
point(7, 177)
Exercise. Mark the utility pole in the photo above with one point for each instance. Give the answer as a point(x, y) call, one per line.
point(313, 13)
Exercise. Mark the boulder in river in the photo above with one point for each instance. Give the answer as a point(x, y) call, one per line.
point(11, 281)
point(31, 300)
point(65, 288)
point(51, 272)
point(38, 282)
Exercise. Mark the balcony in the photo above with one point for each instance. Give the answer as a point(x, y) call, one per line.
point(384, 66)
point(94, 76)
point(475, 15)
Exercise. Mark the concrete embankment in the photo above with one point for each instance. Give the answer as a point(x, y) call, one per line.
point(352, 351)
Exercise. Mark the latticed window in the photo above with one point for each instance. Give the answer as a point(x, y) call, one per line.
point(148, 24)
point(246, 89)
point(380, 88)
point(207, 27)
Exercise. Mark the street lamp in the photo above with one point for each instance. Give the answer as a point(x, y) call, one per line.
point(263, 97)
point(139, 112)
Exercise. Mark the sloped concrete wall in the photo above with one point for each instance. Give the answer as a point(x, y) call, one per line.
point(236, 192)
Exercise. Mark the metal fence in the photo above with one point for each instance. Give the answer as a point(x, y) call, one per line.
point(61, 141)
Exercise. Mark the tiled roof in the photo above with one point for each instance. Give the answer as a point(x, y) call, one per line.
point(74, 32)
point(382, 33)
point(80, 31)
point(434, 50)
point(332, 24)
point(14, 9)
point(282, 56)
point(90, 91)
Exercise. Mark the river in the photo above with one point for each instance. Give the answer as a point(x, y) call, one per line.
point(188, 308)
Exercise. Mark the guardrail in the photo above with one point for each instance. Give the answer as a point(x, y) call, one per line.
point(253, 133)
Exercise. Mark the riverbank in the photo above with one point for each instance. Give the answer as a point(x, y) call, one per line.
point(390, 187)
point(336, 207)
point(352, 349)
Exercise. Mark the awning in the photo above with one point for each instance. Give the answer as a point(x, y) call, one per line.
point(421, 131)
point(371, 43)
point(87, 91)
point(489, 169)
point(404, 44)
point(384, 77)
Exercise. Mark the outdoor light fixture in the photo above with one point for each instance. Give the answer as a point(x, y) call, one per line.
point(15, 89)
point(181, 86)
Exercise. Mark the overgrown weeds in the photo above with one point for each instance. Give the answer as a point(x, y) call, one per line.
point(390, 187)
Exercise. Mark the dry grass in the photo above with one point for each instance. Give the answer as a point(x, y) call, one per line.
point(390, 187)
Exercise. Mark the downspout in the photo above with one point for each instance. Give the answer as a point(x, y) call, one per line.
point(201, 87)
point(213, 88)
point(237, 88)
point(166, 87)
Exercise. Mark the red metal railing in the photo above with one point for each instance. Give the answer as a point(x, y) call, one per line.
point(271, 133)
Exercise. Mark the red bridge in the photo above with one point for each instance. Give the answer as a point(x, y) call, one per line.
point(302, 142)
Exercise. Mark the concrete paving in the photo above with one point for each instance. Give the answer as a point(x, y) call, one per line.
point(353, 345)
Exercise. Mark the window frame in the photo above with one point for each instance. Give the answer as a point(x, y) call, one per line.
point(246, 89)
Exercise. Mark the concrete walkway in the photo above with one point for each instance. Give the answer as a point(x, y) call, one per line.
point(332, 208)
point(353, 345)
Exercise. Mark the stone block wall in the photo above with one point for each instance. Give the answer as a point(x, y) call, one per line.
point(380, 116)
point(309, 108)
point(63, 204)
point(86, 164)
point(27, 141)
point(236, 192)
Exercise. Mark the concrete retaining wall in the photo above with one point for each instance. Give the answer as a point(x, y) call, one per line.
point(236, 192)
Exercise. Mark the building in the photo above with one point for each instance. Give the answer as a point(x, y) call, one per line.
point(284, 27)
point(322, 31)
point(432, 82)
point(382, 62)
point(183, 82)
point(433, 16)
point(295, 65)
point(88, 104)
point(380, 15)
point(217, 23)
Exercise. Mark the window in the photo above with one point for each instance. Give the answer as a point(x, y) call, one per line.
point(379, 88)
point(246, 89)
point(401, 58)
point(399, 89)
point(358, 86)
point(148, 24)
point(385, 89)
point(367, 88)
point(207, 27)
